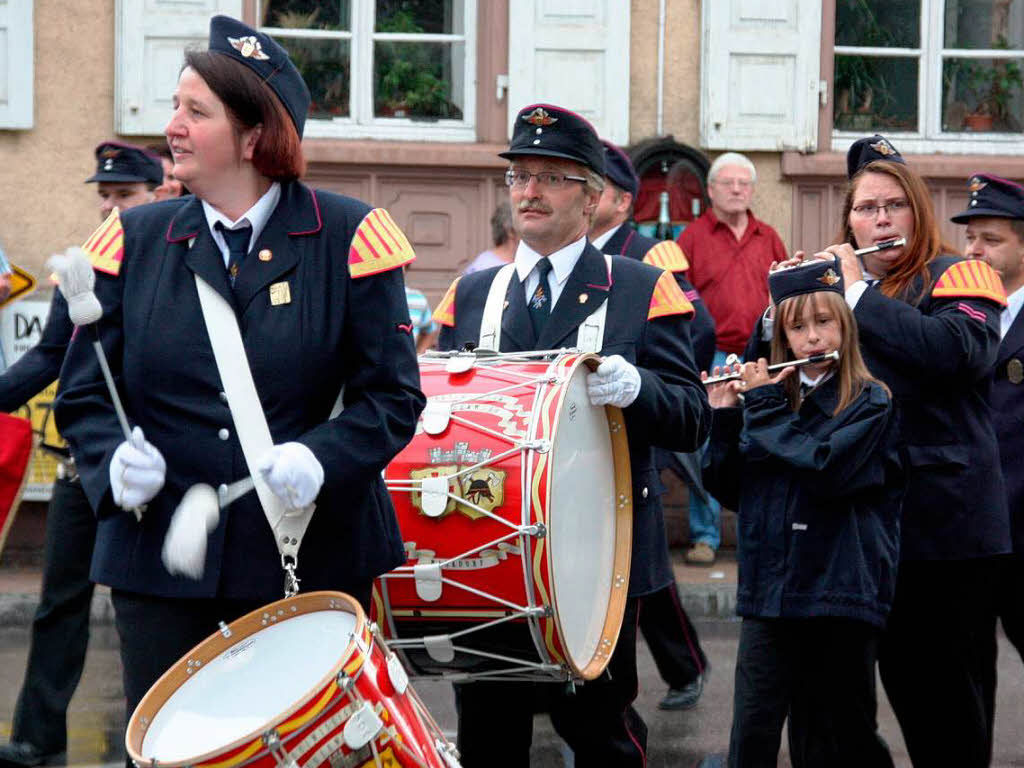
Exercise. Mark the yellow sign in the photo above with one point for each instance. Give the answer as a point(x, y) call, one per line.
point(22, 284)
point(42, 467)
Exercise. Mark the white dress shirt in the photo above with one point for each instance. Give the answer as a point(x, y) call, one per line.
point(562, 263)
point(256, 217)
point(1013, 304)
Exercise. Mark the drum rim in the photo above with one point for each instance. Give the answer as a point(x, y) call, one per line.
point(623, 532)
point(214, 645)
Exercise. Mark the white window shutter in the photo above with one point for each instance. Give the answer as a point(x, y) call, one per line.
point(759, 74)
point(151, 39)
point(573, 53)
point(16, 64)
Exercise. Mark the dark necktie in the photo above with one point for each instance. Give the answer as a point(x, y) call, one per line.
point(238, 246)
point(540, 302)
point(805, 389)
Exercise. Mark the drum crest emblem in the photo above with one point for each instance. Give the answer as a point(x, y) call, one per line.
point(471, 493)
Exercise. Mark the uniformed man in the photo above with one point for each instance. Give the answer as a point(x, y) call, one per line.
point(995, 234)
point(60, 629)
point(557, 281)
point(125, 176)
point(666, 627)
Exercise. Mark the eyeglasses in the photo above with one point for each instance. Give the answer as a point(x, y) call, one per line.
point(870, 210)
point(741, 183)
point(545, 179)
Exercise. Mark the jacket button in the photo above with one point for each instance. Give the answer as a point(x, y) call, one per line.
point(223, 397)
point(223, 434)
point(644, 492)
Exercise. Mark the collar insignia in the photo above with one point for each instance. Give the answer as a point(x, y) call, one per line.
point(830, 277)
point(977, 184)
point(539, 116)
point(883, 147)
point(249, 47)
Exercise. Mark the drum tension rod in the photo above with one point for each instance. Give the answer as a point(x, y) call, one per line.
point(272, 739)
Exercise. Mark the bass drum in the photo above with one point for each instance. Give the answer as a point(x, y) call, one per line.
point(515, 505)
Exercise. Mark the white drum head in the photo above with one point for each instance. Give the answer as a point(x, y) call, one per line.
point(582, 520)
point(249, 685)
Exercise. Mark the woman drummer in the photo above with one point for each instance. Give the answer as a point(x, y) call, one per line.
point(314, 281)
point(929, 328)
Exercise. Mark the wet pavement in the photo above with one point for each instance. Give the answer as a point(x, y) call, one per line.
point(96, 718)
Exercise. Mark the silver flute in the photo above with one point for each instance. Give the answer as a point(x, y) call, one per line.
point(833, 355)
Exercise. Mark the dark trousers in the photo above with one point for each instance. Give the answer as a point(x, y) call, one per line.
point(820, 672)
point(671, 637)
point(597, 720)
point(1011, 601)
point(938, 660)
point(60, 629)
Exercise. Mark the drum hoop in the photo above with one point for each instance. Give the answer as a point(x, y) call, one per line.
point(245, 747)
point(623, 532)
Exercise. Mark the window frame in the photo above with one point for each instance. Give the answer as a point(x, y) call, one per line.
point(930, 56)
point(362, 123)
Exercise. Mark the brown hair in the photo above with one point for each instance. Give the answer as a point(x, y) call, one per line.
point(250, 102)
point(924, 246)
point(851, 370)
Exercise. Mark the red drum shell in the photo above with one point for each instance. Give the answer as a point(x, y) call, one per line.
point(195, 715)
point(515, 606)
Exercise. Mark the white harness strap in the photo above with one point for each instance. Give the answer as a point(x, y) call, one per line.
point(288, 525)
point(490, 323)
point(590, 337)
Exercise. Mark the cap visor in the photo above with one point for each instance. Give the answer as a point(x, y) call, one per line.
point(527, 151)
point(117, 177)
point(971, 213)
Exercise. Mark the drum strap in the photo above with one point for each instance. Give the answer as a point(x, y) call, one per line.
point(590, 337)
point(288, 525)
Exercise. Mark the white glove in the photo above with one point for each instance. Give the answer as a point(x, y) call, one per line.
point(184, 550)
point(615, 382)
point(293, 473)
point(137, 471)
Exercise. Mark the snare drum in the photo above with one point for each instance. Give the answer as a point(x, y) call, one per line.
point(305, 681)
point(514, 502)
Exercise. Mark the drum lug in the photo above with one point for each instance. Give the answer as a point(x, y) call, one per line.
point(436, 416)
point(428, 581)
point(362, 726)
point(343, 681)
point(539, 446)
point(272, 740)
point(440, 648)
point(224, 629)
point(538, 530)
point(448, 753)
point(434, 495)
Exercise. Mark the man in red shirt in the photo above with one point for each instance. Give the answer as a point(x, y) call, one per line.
point(729, 253)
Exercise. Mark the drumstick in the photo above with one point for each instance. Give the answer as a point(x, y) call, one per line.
point(75, 280)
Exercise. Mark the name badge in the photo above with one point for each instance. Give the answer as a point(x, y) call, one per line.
point(280, 293)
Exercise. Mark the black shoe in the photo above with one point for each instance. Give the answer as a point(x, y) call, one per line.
point(686, 697)
point(21, 754)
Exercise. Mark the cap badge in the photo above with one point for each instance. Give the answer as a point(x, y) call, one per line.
point(977, 184)
point(110, 153)
point(830, 277)
point(249, 47)
point(883, 147)
point(539, 116)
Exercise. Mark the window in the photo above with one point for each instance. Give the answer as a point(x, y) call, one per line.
point(940, 75)
point(394, 69)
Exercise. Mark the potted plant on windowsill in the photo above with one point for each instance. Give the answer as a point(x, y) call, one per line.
point(991, 88)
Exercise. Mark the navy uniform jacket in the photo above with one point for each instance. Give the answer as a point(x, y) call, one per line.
point(818, 501)
point(1008, 416)
point(936, 354)
point(671, 410)
point(335, 330)
point(39, 367)
point(628, 242)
